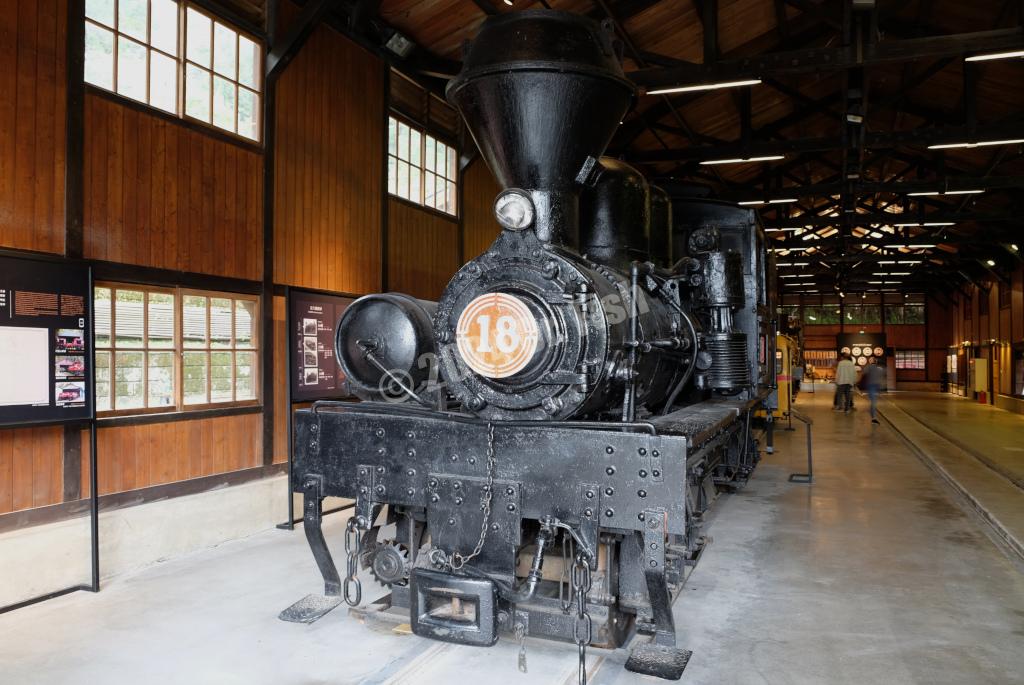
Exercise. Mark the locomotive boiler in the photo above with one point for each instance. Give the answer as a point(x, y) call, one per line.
point(536, 451)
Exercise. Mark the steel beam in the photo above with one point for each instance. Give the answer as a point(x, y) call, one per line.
point(282, 52)
point(915, 137)
point(831, 59)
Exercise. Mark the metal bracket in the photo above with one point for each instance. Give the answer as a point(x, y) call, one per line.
point(313, 607)
point(590, 513)
point(365, 482)
point(660, 657)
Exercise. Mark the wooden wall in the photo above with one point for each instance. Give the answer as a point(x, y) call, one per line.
point(134, 457)
point(329, 158)
point(480, 228)
point(423, 250)
point(32, 122)
point(31, 468)
point(968, 322)
point(162, 195)
point(935, 336)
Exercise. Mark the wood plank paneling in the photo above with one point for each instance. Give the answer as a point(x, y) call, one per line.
point(480, 228)
point(134, 457)
point(32, 120)
point(31, 468)
point(160, 194)
point(328, 163)
point(280, 373)
point(423, 250)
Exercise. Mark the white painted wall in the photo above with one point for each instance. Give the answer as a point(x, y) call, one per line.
point(41, 559)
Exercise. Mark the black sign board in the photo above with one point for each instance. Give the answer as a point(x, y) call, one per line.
point(863, 348)
point(313, 368)
point(46, 353)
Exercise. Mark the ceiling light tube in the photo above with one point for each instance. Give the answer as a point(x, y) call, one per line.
point(980, 143)
point(928, 223)
point(780, 230)
point(743, 160)
point(995, 55)
point(704, 86)
point(945, 192)
point(921, 246)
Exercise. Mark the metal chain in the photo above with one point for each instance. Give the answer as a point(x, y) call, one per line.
point(457, 561)
point(521, 636)
point(353, 587)
point(582, 628)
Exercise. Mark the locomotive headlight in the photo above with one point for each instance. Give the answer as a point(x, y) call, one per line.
point(514, 210)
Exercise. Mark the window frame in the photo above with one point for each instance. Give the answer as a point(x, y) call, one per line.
point(208, 350)
point(423, 131)
point(902, 357)
point(178, 350)
point(182, 61)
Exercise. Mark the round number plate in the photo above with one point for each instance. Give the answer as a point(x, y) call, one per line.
point(497, 335)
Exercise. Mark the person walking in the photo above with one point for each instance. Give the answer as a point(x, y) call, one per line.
point(846, 377)
point(873, 378)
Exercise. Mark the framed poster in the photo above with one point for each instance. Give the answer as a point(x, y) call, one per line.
point(312, 321)
point(46, 346)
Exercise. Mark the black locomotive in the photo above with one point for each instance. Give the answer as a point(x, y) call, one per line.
point(538, 448)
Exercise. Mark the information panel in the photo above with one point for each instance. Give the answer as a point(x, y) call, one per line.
point(45, 342)
point(314, 370)
point(863, 347)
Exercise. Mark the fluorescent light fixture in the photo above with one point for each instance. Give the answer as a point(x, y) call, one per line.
point(980, 143)
point(742, 160)
point(947, 192)
point(990, 262)
point(781, 230)
point(995, 55)
point(793, 264)
point(921, 246)
point(892, 273)
point(705, 86)
point(928, 223)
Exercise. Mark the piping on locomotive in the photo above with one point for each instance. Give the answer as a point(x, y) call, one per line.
point(590, 388)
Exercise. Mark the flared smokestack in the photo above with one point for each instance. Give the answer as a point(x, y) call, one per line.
point(541, 91)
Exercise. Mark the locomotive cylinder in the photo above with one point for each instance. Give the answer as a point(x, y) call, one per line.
point(660, 234)
point(615, 216)
point(384, 342)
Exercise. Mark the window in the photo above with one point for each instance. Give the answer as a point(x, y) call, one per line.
point(163, 349)
point(862, 313)
point(175, 58)
point(904, 314)
point(421, 168)
point(910, 359)
point(825, 314)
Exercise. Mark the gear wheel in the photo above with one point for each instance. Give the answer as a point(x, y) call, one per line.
point(390, 563)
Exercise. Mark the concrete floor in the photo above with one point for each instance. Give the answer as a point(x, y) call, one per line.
point(992, 435)
point(872, 575)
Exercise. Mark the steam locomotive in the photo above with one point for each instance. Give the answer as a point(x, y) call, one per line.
point(536, 451)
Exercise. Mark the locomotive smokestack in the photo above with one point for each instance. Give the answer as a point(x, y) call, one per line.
point(541, 92)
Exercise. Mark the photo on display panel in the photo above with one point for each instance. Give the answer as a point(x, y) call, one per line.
point(70, 340)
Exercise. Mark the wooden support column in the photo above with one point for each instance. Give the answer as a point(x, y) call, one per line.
point(267, 290)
